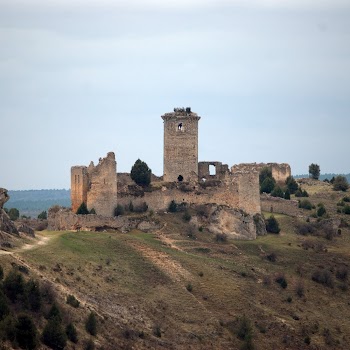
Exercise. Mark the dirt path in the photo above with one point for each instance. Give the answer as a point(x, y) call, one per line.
point(42, 240)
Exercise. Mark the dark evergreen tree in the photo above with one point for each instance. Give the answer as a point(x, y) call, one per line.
point(141, 173)
point(82, 210)
point(4, 307)
point(14, 285)
point(314, 171)
point(72, 333)
point(267, 185)
point(43, 215)
point(292, 185)
point(33, 295)
point(91, 324)
point(26, 333)
point(277, 192)
point(272, 225)
point(1, 273)
point(54, 335)
point(287, 194)
point(172, 207)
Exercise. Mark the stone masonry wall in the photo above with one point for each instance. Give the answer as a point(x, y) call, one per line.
point(102, 195)
point(240, 190)
point(180, 145)
point(79, 186)
point(280, 172)
point(279, 205)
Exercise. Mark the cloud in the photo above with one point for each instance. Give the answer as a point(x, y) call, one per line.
point(182, 4)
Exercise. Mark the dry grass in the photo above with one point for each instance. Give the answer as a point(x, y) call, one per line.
point(137, 283)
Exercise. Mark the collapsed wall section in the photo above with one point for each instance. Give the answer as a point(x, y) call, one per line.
point(280, 171)
point(102, 194)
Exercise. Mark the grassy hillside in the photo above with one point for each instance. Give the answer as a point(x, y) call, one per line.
point(179, 289)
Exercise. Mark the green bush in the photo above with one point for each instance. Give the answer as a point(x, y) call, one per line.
point(189, 287)
point(90, 345)
point(1, 273)
point(272, 225)
point(141, 173)
point(92, 211)
point(321, 210)
point(82, 210)
point(72, 301)
point(172, 207)
point(26, 333)
point(340, 183)
point(72, 333)
point(13, 214)
point(91, 324)
point(305, 204)
point(54, 335)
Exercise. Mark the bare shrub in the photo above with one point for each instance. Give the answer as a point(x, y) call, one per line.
point(281, 280)
point(323, 276)
point(300, 289)
point(342, 273)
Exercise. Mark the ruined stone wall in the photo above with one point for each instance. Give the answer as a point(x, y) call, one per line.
point(60, 219)
point(279, 205)
point(79, 186)
point(280, 171)
point(102, 195)
point(180, 146)
point(204, 171)
point(238, 191)
point(248, 191)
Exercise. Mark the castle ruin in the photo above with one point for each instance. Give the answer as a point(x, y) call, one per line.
point(184, 180)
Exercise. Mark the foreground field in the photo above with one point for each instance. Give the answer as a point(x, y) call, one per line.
point(173, 290)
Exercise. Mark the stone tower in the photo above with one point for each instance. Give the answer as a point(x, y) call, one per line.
point(180, 145)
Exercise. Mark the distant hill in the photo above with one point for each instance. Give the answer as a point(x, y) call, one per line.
point(323, 176)
point(33, 202)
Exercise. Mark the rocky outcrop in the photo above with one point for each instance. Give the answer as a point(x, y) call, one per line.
point(232, 222)
point(6, 225)
point(4, 197)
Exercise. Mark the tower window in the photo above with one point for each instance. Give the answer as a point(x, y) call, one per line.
point(180, 127)
point(180, 178)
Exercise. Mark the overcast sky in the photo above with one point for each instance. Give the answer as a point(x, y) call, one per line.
point(270, 79)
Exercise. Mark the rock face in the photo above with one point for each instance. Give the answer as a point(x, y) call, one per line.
point(4, 197)
point(232, 222)
point(6, 225)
